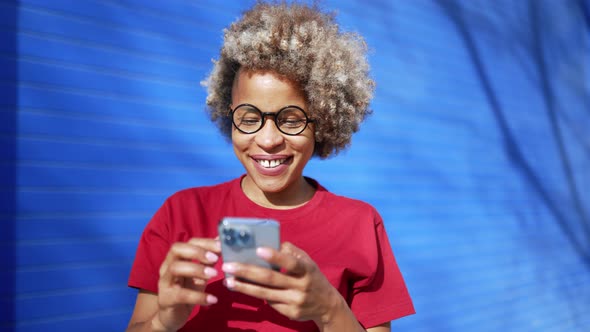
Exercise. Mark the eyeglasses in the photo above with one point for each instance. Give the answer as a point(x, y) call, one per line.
point(290, 120)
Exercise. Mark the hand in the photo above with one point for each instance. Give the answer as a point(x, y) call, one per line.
point(300, 292)
point(183, 277)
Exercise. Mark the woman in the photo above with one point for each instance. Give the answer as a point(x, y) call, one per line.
point(288, 86)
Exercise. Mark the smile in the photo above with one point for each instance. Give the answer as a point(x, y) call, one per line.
point(270, 163)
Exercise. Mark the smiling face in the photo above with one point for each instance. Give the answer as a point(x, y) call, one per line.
point(274, 161)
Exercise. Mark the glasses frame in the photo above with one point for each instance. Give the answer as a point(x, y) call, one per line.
point(274, 115)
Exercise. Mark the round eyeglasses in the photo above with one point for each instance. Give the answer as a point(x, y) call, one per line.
point(290, 120)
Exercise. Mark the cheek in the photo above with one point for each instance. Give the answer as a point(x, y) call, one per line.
point(240, 141)
point(236, 142)
point(236, 138)
point(311, 139)
point(306, 146)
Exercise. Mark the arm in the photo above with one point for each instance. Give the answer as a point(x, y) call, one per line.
point(181, 287)
point(385, 327)
point(347, 322)
point(146, 307)
point(300, 291)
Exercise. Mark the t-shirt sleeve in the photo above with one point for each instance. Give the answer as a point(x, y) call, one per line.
point(151, 251)
point(382, 297)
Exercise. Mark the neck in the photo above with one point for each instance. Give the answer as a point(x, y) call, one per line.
point(294, 196)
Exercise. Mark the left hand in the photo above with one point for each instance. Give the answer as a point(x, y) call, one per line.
point(300, 291)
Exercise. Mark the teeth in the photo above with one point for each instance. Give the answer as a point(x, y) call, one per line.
point(271, 163)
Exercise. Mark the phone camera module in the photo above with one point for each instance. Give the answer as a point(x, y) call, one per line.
point(244, 237)
point(229, 236)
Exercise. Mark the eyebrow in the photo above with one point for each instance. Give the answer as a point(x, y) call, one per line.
point(278, 110)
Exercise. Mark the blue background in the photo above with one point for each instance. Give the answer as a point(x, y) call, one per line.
point(477, 154)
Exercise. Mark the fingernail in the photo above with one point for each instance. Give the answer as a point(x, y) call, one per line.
point(229, 267)
point(230, 282)
point(211, 257)
point(263, 252)
point(211, 299)
point(210, 272)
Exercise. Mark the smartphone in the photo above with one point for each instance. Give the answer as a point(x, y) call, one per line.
point(241, 236)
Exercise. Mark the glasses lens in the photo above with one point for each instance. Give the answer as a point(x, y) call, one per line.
point(247, 119)
point(291, 120)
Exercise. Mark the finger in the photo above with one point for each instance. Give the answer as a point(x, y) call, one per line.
point(260, 275)
point(271, 295)
point(212, 245)
point(301, 263)
point(198, 283)
point(187, 252)
point(186, 296)
point(191, 270)
point(202, 250)
point(290, 248)
point(291, 259)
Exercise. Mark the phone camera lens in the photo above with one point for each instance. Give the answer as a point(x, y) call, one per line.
point(229, 236)
point(244, 236)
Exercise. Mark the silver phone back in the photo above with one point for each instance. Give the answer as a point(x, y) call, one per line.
point(238, 247)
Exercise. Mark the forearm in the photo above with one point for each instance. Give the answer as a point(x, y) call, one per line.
point(140, 327)
point(339, 318)
point(151, 325)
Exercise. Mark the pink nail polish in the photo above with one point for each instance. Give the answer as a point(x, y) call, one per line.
point(263, 253)
point(211, 299)
point(211, 257)
point(210, 272)
point(229, 268)
point(230, 283)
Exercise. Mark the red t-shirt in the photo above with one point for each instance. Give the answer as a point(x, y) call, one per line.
point(345, 237)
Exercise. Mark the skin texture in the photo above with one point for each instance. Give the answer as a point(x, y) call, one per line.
point(181, 286)
point(300, 291)
point(306, 45)
point(270, 92)
point(182, 282)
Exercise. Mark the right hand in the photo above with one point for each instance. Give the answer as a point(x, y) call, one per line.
point(183, 277)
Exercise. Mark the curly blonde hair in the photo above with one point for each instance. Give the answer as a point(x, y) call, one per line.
point(305, 45)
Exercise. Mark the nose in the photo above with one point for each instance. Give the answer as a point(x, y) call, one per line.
point(269, 135)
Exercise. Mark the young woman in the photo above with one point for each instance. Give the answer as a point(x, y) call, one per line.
point(288, 86)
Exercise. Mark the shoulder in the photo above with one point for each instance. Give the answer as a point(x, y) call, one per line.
point(193, 212)
point(339, 204)
point(202, 193)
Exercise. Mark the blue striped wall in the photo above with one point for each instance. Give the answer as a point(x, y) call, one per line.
point(477, 154)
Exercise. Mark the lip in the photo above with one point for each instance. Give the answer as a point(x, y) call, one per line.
point(269, 156)
point(271, 171)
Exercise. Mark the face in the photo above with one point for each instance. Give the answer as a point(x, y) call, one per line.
point(274, 161)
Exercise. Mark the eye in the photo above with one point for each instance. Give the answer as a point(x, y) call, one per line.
point(292, 118)
point(291, 123)
point(247, 116)
point(250, 121)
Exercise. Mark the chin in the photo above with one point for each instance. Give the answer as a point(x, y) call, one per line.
point(272, 186)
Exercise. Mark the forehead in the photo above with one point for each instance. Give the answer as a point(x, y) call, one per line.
point(266, 89)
